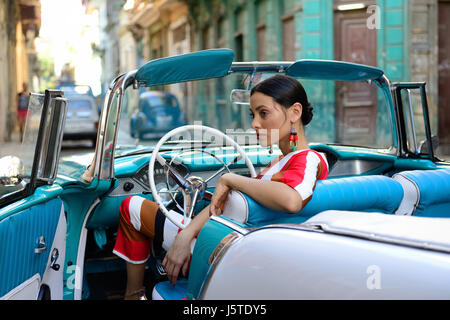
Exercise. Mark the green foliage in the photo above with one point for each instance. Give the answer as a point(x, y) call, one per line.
point(47, 70)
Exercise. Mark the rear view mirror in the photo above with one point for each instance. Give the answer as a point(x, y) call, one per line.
point(423, 147)
point(240, 96)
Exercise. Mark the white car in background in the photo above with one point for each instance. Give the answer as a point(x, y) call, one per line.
point(81, 119)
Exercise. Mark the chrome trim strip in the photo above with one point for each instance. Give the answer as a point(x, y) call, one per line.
point(381, 238)
point(221, 248)
point(231, 225)
point(411, 115)
point(118, 86)
point(236, 236)
point(267, 66)
point(79, 270)
point(118, 191)
point(354, 167)
point(216, 257)
point(101, 133)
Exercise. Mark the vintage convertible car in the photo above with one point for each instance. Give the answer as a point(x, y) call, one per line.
point(377, 228)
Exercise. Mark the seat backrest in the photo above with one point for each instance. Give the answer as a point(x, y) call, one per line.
point(363, 193)
point(426, 192)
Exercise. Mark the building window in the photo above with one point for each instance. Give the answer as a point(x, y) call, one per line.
point(179, 33)
point(239, 45)
point(205, 37)
point(288, 35)
point(221, 33)
point(157, 45)
point(239, 36)
point(262, 43)
point(261, 34)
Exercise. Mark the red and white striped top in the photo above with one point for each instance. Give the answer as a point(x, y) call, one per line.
point(299, 169)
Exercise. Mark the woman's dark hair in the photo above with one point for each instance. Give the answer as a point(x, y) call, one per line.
point(286, 91)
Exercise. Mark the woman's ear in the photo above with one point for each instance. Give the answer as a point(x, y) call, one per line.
point(295, 112)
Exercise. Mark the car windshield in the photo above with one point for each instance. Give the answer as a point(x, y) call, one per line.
point(154, 100)
point(16, 163)
point(352, 113)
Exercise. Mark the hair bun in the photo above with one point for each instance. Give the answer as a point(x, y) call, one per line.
point(307, 114)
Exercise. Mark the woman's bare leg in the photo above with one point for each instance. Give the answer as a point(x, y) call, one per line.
point(135, 280)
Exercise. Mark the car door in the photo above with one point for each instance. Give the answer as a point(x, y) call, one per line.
point(32, 220)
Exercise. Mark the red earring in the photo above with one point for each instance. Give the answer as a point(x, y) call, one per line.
point(293, 138)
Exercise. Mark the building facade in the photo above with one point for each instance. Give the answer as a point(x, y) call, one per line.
point(20, 22)
point(405, 38)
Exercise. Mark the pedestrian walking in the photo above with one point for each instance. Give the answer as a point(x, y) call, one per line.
point(22, 108)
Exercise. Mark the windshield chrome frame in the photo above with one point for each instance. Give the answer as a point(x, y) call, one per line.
point(104, 157)
point(103, 161)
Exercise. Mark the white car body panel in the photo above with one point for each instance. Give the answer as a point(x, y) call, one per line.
point(298, 263)
point(27, 290)
point(55, 278)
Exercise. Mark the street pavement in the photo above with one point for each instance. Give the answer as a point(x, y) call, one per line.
point(68, 147)
point(83, 146)
point(10, 147)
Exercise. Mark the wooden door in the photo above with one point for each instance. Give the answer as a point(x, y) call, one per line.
point(444, 76)
point(356, 103)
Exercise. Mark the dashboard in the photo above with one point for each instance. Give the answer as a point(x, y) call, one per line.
point(139, 182)
point(341, 163)
point(133, 177)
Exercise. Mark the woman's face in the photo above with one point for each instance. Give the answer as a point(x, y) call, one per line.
point(270, 120)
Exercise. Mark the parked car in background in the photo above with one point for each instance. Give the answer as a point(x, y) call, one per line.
point(83, 112)
point(82, 119)
point(72, 89)
point(157, 113)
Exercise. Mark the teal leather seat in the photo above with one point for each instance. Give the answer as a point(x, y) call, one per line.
point(362, 193)
point(166, 291)
point(427, 192)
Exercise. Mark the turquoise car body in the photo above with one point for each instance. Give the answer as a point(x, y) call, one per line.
point(85, 184)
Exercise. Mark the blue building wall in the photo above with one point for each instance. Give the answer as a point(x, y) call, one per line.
point(314, 38)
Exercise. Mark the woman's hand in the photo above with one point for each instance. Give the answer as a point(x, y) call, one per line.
point(178, 257)
point(220, 196)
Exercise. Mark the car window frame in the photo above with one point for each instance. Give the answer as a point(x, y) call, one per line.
point(398, 87)
point(45, 163)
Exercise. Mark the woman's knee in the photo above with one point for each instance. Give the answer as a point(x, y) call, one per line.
point(131, 207)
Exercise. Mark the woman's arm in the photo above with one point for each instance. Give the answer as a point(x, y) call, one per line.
point(179, 253)
point(271, 194)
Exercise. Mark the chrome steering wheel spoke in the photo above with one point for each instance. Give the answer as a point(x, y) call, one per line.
point(193, 188)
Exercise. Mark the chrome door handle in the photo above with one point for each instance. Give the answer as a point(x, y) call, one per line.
point(41, 247)
point(54, 257)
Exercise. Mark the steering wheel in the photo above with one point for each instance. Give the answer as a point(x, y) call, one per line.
point(192, 188)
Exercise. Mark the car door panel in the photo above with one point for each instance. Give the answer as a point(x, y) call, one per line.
point(19, 235)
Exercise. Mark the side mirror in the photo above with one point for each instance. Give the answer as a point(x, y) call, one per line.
point(12, 171)
point(240, 96)
point(423, 147)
